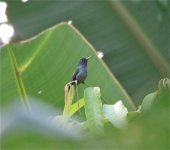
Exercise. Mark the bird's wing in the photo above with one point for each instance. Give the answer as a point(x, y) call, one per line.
point(75, 74)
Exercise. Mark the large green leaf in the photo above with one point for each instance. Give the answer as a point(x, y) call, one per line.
point(132, 34)
point(40, 67)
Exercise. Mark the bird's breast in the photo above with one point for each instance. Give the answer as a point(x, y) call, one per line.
point(81, 76)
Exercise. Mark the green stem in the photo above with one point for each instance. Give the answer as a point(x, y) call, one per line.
point(19, 82)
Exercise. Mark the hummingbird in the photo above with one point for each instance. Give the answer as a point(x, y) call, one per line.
point(80, 74)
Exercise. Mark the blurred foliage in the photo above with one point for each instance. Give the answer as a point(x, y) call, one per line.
point(116, 114)
point(94, 110)
point(128, 52)
point(148, 130)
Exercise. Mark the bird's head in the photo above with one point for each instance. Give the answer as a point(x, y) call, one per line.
point(83, 61)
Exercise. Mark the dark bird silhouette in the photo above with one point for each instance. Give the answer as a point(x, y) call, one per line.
point(80, 74)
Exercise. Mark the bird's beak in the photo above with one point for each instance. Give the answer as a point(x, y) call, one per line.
point(89, 57)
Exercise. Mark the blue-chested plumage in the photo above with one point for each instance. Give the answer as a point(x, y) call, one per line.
point(81, 72)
